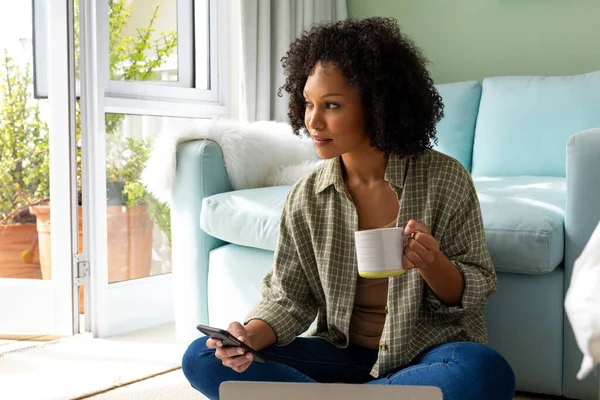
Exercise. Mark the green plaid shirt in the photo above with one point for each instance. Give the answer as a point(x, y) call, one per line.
point(314, 272)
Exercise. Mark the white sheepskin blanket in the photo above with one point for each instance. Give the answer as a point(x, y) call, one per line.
point(256, 154)
point(582, 304)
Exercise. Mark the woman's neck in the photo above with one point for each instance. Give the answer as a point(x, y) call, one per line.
point(366, 166)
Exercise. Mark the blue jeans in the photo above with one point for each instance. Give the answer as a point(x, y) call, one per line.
point(462, 370)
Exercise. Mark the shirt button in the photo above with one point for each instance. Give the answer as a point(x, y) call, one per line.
point(386, 309)
point(383, 345)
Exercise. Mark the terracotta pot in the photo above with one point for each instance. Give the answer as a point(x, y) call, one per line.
point(129, 232)
point(14, 240)
point(129, 242)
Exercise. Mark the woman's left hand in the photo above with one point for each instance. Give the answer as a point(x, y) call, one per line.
point(421, 250)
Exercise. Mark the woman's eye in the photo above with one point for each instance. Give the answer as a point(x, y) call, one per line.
point(328, 106)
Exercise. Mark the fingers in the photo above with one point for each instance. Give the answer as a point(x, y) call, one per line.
point(229, 352)
point(234, 358)
point(414, 226)
point(406, 263)
point(427, 241)
point(421, 248)
point(243, 366)
point(417, 252)
point(213, 343)
point(421, 233)
point(415, 245)
point(411, 259)
point(237, 330)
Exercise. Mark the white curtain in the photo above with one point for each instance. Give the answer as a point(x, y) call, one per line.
point(267, 29)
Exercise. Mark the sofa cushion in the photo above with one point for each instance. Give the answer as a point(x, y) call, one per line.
point(523, 219)
point(234, 277)
point(246, 217)
point(456, 130)
point(524, 122)
point(524, 222)
point(235, 274)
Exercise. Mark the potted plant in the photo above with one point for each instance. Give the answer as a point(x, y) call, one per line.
point(24, 171)
point(131, 210)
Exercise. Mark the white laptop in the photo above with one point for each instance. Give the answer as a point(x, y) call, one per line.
point(324, 391)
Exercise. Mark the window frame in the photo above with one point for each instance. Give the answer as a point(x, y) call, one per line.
point(178, 98)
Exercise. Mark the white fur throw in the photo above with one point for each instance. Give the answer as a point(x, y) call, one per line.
point(582, 304)
point(256, 154)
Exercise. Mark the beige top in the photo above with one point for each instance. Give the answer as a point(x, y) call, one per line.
point(370, 308)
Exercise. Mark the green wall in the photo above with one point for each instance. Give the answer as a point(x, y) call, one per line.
point(472, 39)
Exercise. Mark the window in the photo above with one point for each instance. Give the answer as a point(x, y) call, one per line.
point(160, 55)
point(143, 42)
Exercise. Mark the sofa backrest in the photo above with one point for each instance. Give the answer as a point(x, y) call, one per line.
point(524, 123)
point(456, 130)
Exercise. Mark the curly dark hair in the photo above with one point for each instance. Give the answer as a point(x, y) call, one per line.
point(385, 67)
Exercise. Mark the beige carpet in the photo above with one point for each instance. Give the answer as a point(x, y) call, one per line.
point(173, 386)
point(141, 365)
point(79, 366)
point(169, 386)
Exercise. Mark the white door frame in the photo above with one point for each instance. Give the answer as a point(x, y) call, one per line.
point(123, 306)
point(38, 307)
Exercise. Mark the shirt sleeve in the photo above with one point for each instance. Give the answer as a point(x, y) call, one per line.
point(463, 242)
point(287, 303)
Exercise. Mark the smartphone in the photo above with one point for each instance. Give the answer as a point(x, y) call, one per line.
point(229, 340)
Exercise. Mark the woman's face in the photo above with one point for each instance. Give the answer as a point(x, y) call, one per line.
point(334, 113)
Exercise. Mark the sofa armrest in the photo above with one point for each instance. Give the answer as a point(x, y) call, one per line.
point(200, 173)
point(582, 213)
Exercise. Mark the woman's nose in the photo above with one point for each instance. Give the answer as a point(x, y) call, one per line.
point(314, 120)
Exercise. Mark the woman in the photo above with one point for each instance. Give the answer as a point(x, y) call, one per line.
point(362, 91)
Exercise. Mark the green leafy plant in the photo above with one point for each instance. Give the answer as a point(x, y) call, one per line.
point(24, 160)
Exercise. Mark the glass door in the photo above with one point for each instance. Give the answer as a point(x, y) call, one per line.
point(147, 67)
point(38, 172)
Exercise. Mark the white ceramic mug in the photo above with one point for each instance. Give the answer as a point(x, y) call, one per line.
point(379, 252)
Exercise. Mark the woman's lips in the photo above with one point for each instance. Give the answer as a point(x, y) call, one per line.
point(321, 141)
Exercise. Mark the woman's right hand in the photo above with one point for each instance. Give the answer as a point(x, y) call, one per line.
point(233, 357)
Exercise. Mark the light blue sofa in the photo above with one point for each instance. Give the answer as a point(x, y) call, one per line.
point(538, 179)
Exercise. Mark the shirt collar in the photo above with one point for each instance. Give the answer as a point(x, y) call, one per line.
point(331, 173)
